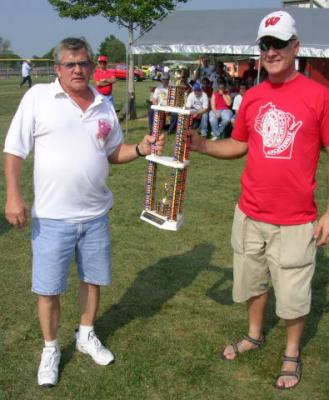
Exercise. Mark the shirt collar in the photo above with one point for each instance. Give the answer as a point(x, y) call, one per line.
point(58, 90)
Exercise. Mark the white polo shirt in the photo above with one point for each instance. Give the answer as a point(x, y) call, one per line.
point(71, 150)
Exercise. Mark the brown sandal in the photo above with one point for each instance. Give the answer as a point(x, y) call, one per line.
point(257, 342)
point(297, 373)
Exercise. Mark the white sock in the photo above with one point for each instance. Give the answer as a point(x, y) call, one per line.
point(52, 343)
point(84, 332)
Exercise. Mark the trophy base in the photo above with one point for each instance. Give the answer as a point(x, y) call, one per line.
point(160, 221)
point(168, 161)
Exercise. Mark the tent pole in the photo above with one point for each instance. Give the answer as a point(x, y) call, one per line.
point(258, 71)
point(127, 87)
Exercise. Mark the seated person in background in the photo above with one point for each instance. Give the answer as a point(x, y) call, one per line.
point(103, 78)
point(159, 98)
point(237, 101)
point(149, 101)
point(182, 80)
point(206, 86)
point(220, 114)
point(198, 102)
point(204, 69)
point(250, 75)
point(220, 74)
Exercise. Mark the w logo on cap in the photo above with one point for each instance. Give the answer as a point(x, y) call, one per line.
point(272, 21)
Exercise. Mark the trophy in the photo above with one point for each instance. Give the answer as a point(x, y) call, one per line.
point(163, 205)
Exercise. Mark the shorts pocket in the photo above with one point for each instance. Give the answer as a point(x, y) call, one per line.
point(238, 230)
point(297, 248)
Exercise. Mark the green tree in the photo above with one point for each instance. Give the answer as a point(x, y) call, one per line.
point(49, 54)
point(11, 63)
point(113, 48)
point(132, 14)
point(7, 54)
point(4, 46)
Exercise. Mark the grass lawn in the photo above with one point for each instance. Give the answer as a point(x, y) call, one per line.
point(169, 310)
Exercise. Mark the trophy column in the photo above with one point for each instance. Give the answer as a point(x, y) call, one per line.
point(163, 207)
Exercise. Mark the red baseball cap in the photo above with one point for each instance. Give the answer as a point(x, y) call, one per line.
point(102, 58)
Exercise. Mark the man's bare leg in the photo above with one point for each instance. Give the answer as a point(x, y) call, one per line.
point(295, 329)
point(89, 296)
point(256, 308)
point(87, 341)
point(49, 313)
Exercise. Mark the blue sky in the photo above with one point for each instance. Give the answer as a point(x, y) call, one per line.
point(33, 27)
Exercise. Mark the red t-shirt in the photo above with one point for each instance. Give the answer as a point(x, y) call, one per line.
point(219, 102)
point(103, 74)
point(285, 126)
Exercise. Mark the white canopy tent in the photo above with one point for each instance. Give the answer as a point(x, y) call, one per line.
point(231, 32)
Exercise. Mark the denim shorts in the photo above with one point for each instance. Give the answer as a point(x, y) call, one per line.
point(55, 243)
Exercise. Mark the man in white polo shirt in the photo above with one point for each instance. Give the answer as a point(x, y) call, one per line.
point(74, 133)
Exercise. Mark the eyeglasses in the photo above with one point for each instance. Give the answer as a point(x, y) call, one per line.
point(277, 44)
point(72, 65)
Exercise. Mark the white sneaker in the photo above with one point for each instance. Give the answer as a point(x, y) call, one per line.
point(48, 368)
point(93, 346)
point(214, 138)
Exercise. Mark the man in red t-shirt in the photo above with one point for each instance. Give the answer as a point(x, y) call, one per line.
point(103, 78)
point(281, 126)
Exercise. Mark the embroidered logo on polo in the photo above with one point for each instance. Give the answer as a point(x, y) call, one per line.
point(104, 129)
point(278, 130)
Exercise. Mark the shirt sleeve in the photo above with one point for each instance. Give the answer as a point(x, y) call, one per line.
point(240, 131)
point(205, 101)
point(20, 140)
point(116, 135)
point(189, 101)
point(155, 94)
point(324, 120)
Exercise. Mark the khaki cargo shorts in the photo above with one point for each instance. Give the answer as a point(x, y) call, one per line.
point(283, 254)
